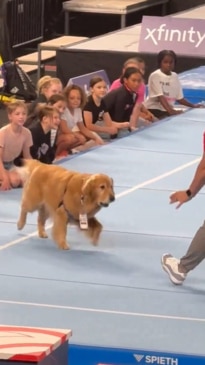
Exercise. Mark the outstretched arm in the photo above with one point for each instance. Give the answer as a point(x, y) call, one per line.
point(199, 178)
point(197, 183)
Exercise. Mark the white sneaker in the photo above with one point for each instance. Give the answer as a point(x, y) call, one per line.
point(171, 265)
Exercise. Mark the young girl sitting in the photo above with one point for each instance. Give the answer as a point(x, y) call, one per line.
point(95, 113)
point(46, 87)
point(66, 139)
point(164, 88)
point(73, 118)
point(120, 102)
point(139, 110)
point(15, 140)
point(43, 148)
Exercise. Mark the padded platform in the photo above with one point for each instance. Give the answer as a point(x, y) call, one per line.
point(116, 7)
point(26, 345)
point(110, 6)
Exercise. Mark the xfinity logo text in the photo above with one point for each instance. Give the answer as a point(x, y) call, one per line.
point(175, 35)
point(157, 360)
point(182, 35)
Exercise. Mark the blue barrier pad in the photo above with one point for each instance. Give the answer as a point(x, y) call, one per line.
point(193, 84)
point(90, 355)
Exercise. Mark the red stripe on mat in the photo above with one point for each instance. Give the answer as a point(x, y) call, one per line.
point(34, 330)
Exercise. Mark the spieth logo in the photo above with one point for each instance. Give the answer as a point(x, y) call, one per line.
point(138, 357)
point(159, 360)
point(175, 35)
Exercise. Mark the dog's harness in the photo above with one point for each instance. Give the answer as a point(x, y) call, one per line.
point(70, 216)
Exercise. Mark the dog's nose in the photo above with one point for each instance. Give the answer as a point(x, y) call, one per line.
point(112, 198)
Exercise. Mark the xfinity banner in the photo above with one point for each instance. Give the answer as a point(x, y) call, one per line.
point(183, 36)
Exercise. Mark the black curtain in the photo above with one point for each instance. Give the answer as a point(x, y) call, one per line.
point(5, 45)
point(175, 6)
point(53, 17)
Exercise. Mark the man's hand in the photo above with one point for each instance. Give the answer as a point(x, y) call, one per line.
point(179, 197)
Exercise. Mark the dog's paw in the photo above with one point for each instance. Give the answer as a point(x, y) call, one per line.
point(43, 234)
point(20, 224)
point(95, 240)
point(66, 247)
point(63, 246)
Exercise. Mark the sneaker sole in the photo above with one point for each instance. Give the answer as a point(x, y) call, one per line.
point(169, 271)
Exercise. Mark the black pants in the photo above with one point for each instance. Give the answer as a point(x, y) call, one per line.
point(159, 114)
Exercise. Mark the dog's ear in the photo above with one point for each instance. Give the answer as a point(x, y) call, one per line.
point(88, 188)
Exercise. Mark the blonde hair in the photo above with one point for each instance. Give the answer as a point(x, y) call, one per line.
point(134, 60)
point(13, 105)
point(46, 81)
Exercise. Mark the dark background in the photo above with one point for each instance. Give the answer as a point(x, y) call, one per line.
point(52, 22)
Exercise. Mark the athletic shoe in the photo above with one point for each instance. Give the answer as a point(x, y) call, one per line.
point(171, 265)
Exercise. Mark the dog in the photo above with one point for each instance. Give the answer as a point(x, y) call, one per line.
point(66, 197)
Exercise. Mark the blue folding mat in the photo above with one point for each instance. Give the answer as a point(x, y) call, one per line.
point(119, 303)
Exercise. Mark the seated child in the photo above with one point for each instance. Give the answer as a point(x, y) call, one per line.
point(73, 119)
point(139, 110)
point(44, 148)
point(164, 88)
point(15, 140)
point(120, 102)
point(96, 116)
point(46, 87)
point(66, 139)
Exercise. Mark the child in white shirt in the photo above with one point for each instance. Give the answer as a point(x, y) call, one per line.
point(164, 88)
point(73, 118)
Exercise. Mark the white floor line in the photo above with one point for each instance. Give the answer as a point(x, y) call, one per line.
point(18, 240)
point(120, 195)
point(103, 311)
point(158, 178)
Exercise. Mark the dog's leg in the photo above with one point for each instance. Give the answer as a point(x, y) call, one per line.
point(59, 231)
point(42, 218)
point(94, 230)
point(28, 205)
point(22, 218)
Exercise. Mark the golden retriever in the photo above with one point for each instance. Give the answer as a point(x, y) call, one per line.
point(65, 196)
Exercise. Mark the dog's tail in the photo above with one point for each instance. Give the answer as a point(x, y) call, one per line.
point(26, 168)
